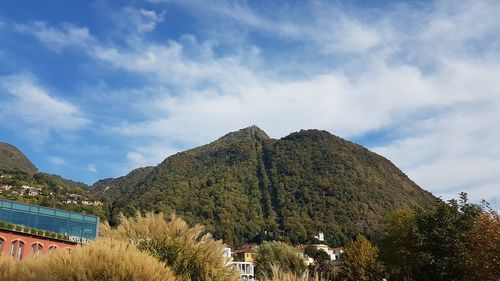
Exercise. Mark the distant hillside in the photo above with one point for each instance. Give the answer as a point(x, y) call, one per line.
point(20, 181)
point(248, 187)
point(112, 188)
point(11, 158)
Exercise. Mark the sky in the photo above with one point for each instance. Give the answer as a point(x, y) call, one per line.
point(93, 89)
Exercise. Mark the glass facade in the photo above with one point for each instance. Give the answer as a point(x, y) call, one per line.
point(78, 226)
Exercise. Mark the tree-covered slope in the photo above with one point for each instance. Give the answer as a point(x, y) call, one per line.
point(13, 159)
point(249, 187)
point(21, 181)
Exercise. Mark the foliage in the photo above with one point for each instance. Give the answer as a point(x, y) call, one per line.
point(13, 159)
point(53, 192)
point(190, 253)
point(400, 243)
point(283, 275)
point(484, 247)
point(105, 259)
point(246, 187)
point(322, 266)
point(277, 254)
point(456, 241)
point(360, 261)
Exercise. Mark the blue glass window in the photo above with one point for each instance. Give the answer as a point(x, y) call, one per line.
point(49, 219)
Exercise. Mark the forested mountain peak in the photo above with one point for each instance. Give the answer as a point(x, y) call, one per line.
point(12, 158)
point(311, 135)
point(249, 133)
point(247, 187)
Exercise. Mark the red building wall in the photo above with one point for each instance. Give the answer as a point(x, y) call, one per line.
point(29, 239)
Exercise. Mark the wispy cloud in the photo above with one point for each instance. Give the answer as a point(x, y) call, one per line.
point(57, 161)
point(92, 168)
point(141, 20)
point(66, 36)
point(26, 102)
point(426, 72)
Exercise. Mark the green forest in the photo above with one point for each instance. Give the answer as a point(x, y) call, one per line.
point(247, 187)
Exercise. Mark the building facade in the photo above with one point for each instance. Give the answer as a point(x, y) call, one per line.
point(28, 230)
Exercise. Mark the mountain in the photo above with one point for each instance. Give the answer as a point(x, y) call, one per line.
point(247, 187)
point(112, 188)
point(13, 159)
point(21, 181)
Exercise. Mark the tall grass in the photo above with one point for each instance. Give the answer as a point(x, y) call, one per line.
point(278, 274)
point(188, 251)
point(105, 259)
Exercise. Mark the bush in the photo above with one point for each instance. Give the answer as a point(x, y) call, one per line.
point(191, 254)
point(283, 275)
point(105, 259)
point(277, 254)
point(360, 261)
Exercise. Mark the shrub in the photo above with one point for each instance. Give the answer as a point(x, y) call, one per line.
point(360, 261)
point(283, 275)
point(105, 259)
point(8, 269)
point(277, 254)
point(191, 254)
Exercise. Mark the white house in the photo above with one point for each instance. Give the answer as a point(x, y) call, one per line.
point(246, 268)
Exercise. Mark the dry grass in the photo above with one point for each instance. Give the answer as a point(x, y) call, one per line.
point(8, 268)
point(105, 259)
point(190, 253)
point(281, 275)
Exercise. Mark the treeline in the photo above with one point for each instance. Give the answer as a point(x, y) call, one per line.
point(54, 192)
point(454, 242)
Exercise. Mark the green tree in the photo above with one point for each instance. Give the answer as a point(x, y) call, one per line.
point(322, 262)
point(277, 254)
point(400, 245)
point(452, 242)
point(443, 247)
point(360, 261)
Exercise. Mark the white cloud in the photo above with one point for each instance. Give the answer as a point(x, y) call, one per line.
point(65, 36)
point(445, 115)
point(92, 168)
point(148, 155)
point(57, 161)
point(27, 103)
point(137, 20)
point(327, 27)
point(136, 159)
point(431, 74)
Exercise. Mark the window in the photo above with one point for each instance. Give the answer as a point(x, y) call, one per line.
point(20, 249)
point(1, 246)
point(13, 245)
point(16, 249)
point(36, 249)
point(52, 248)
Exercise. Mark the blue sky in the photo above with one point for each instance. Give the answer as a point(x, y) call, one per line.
point(93, 89)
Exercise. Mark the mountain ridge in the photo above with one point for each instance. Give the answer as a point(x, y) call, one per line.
point(12, 158)
point(246, 186)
